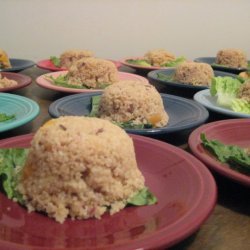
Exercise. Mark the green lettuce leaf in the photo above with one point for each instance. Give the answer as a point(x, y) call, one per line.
point(241, 105)
point(163, 77)
point(56, 61)
point(11, 163)
point(225, 88)
point(175, 62)
point(236, 157)
point(4, 117)
point(62, 80)
point(139, 62)
point(144, 197)
point(95, 102)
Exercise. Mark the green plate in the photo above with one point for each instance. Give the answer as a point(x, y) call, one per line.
point(24, 109)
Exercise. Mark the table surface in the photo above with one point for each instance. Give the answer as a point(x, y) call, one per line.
point(228, 227)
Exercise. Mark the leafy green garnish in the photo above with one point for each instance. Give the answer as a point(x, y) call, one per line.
point(140, 62)
point(62, 80)
point(11, 163)
point(144, 197)
point(4, 117)
point(56, 61)
point(235, 156)
point(95, 103)
point(164, 77)
point(175, 62)
point(225, 88)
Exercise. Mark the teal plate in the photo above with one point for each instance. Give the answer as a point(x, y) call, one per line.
point(24, 109)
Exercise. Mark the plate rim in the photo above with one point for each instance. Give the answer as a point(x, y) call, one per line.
point(212, 163)
point(151, 75)
point(199, 96)
point(40, 82)
point(207, 182)
point(151, 131)
point(33, 112)
point(201, 59)
point(30, 64)
point(26, 78)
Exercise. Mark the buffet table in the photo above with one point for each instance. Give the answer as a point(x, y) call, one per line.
point(227, 228)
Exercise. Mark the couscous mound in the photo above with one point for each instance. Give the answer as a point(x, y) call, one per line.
point(5, 82)
point(234, 58)
point(194, 73)
point(133, 101)
point(69, 57)
point(80, 167)
point(244, 91)
point(158, 57)
point(93, 73)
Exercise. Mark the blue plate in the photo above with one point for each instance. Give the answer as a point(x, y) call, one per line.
point(171, 87)
point(23, 108)
point(183, 114)
point(211, 61)
point(18, 65)
point(204, 97)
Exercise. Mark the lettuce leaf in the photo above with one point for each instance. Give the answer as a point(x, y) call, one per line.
point(12, 161)
point(4, 117)
point(139, 62)
point(236, 157)
point(225, 88)
point(175, 62)
point(56, 61)
point(144, 197)
point(241, 105)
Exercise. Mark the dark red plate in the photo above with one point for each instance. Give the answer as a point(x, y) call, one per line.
point(232, 131)
point(21, 79)
point(48, 65)
point(186, 193)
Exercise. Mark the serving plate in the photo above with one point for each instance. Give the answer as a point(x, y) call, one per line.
point(18, 65)
point(45, 83)
point(24, 109)
point(170, 86)
point(183, 114)
point(204, 97)
point(231, 132)
point(22, 81)
point(48, 65)
point(211, 61)
point(138, 67)
point(186, 193)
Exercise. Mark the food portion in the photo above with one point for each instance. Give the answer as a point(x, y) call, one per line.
point(158, 58)
point(236, 157)
point(77, 167)
point(231, 93)
point(133, 103)
point(69, 57)
point(4, 60)
point(233, 58)
point(88, 73)
point(93, 73)
point(194, 73)
point(6, 82)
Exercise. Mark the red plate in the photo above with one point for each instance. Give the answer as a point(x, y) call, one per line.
point(48, 65)
point(45, 83)
point(186, 195)
point(233, 131)
point(22, 81)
